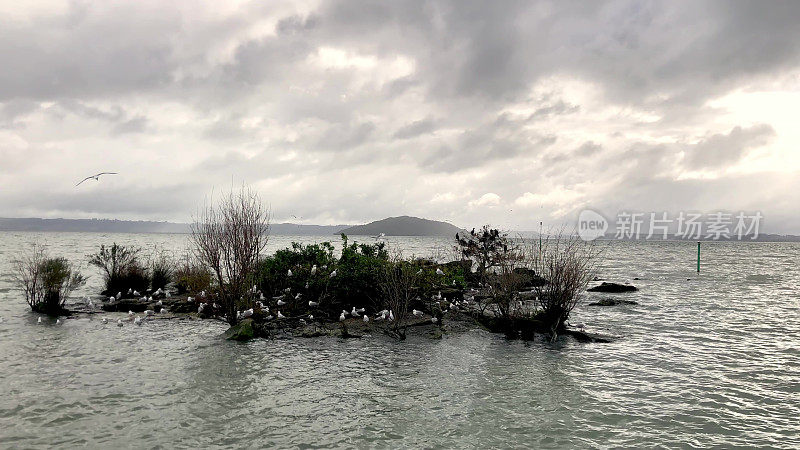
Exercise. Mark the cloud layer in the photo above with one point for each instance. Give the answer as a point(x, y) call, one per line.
point(344, 112)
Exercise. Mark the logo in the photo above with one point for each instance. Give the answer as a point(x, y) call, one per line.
point(591, 225)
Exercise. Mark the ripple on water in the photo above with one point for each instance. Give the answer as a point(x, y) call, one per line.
point(710, 361)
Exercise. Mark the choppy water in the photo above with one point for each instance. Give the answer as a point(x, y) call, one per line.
point(712, 361)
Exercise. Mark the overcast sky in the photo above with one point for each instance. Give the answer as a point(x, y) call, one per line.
point(344, 112)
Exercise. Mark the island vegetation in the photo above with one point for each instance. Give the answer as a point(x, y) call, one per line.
point(511, 286)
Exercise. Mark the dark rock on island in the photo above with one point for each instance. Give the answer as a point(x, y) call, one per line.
point(613, 288)
point(243, 331)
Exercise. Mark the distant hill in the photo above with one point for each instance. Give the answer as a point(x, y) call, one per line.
point(131, 226)
point(404, 226)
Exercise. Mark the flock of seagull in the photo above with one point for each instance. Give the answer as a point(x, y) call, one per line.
point(280, 300)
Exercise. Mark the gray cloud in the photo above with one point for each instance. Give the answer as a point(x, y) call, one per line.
point(726, 149)
point(351, 111)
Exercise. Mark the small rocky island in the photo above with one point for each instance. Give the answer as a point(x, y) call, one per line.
point(320, 290)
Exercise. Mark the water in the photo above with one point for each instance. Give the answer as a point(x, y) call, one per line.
point(710, 361)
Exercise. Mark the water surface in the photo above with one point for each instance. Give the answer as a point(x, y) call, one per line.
point(708, 360)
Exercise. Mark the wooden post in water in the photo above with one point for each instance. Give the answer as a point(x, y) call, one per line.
point(698, 256)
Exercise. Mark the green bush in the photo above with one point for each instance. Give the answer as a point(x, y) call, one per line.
point(359, 274)
point(162, 270)
point(191, 276)
point(46, 282)
point(300, 259)
point(356, 282)
point(122, 269)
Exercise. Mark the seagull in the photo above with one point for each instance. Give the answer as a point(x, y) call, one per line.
point(137, 320)
point(159, 303)
point(96, 177)
point(333, 274)
point(247, 313)
point(434, 320)
point(312, 303)
point(130, 313)
point(39, 321)
point(58, 321)
point(119, 322)
point(167, 295)
point(281, 316)
point(163, 311)
point(119, 295)
point(391, 316)
point(189, 299)
point(366, 318)
point(313, 269)
point(341, 317)
point(289, 273)
point(380, 236)
point(419, 272)
point(439, 271)
point(297, 297)
point(105, 320)
point(310, 317)
point(136, 293)
point(111, 299)
point(303, 321)
point(281, 302)
point(417, 313)
point(130, 290)
point(148, 312)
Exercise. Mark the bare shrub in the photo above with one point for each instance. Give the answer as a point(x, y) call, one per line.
point(46, 282)
point(229, 238)
point(398, 286)
point(567, 264)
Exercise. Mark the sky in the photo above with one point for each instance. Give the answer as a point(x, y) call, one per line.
point(504, 113)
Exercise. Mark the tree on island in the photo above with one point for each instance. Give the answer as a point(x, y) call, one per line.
point(230, 237)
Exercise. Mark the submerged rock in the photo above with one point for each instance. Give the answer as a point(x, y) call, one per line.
point(614, 288)
point(243, 331)
point(612, 302)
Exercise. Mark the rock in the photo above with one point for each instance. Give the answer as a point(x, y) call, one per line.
point(613, 288)
point(582, 336)
point(612, 302)
point(243, 331)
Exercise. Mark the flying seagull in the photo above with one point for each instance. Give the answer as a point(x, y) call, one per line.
point(96, 177)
